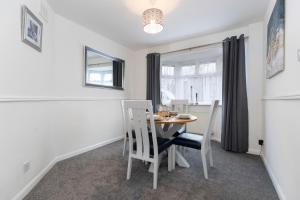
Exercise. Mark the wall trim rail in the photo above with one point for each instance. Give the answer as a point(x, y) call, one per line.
point(295, 96)
point(47, 99)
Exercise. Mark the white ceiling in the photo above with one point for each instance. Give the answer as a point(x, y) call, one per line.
point(121, 20)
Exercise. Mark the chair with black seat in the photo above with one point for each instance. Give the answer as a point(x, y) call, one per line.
point(200, 142)
point(126, 137)
point(124, 129)
point(145, 146)
point(180, 106)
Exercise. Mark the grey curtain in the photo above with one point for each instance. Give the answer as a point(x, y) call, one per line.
point(117, 73)
point(235, 103)
point(153, 79)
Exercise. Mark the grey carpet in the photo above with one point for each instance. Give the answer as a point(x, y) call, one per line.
point(101, 174)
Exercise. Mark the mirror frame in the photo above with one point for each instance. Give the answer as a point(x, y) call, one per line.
point(86, 49)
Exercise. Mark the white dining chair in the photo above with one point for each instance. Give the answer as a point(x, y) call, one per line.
point(124, 128)
point(126, 139)
point(201, 142)
point(146, 146)
point(179, 105)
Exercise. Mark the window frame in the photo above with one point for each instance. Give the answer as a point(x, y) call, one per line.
point(177, 75)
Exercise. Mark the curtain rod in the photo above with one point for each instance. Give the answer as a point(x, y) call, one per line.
point(196, 47)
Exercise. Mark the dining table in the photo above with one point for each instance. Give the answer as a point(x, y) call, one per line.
point(166, 127)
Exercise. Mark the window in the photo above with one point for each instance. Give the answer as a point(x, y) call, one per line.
point(100, 75)
point(207, 68)
point(94, 77)
point(168, 71)
point(188, 70)
point(107, 77)
point(187, 81)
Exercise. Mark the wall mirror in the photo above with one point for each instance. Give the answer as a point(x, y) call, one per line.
point(102, 70)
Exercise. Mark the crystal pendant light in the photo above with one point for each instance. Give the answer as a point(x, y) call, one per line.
point(153, 19)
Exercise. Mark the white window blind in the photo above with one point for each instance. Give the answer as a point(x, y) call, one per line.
point(185, 81)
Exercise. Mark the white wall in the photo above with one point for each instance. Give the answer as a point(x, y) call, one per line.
point(288, 81)
point(282, 111)
point(45, 112)
point(254, 75)
point(99, 118)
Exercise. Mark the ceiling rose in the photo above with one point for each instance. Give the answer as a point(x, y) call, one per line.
point(153, 19)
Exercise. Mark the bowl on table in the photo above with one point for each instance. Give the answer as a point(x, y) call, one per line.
point(173, 113)
point(184, 116)
point(163, 113)
point(156, 117)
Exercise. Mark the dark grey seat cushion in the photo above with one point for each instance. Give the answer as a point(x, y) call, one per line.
point(191, 140)
point(179, 132)
point(133, 134)
point(162, 144)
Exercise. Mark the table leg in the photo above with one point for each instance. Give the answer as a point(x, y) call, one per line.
point(180, 160)
point(167, 132)
point(151, 167)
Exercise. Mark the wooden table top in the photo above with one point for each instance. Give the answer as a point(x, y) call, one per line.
point(174, 120)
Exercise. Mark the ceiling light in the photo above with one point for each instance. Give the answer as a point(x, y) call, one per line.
point(153, 19)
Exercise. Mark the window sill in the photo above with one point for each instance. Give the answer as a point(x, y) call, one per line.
point(202, 104)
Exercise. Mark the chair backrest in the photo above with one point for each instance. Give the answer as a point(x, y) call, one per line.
point(179, 105)
point(124, 129)
point(136, 120)
point(212, 117)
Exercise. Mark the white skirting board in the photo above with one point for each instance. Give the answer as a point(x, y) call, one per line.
point(250, 151)
point(274, 179)
point(37, 178)
point(253, 151)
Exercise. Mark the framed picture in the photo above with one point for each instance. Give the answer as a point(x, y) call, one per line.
point(32, 29)
point(275, 40)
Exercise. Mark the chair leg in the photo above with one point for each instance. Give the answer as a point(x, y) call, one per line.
point(155, 174)
point(174, 156)
point(183, 150)
point(204, 164)
point(170, 158)
point(129, 167)
point(124, 145)
point(211, 162)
